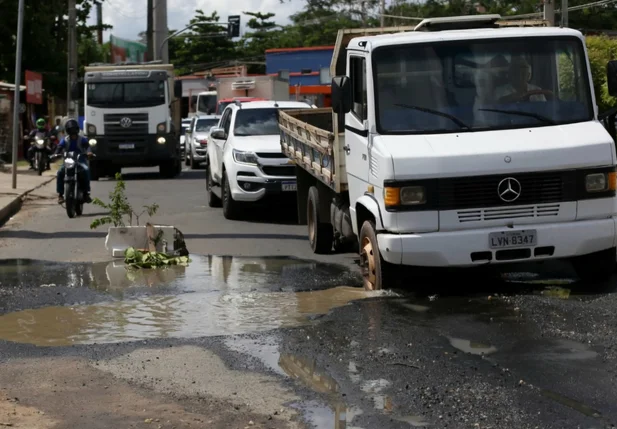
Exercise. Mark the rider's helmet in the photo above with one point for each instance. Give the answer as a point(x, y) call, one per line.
point(72, 127)
point(40, 124)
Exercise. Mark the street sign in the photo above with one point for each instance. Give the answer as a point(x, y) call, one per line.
point(233, 27)
point(34, 87)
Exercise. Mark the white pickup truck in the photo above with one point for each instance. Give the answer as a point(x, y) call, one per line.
point(458, 143)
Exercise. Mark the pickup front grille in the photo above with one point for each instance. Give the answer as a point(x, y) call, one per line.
point(285, 170)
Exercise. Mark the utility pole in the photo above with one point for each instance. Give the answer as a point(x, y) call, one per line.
point(20, 31)
point(564, 13)
point(363, 13)
point(382, 8)
point(161, 31)
point(99, 22)
point(549, 12)
point(149, 29)
point(72, 59)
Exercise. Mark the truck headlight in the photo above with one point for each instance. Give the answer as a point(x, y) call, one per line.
point(91, 130)
point(92, 142)
point(161, 127)
point(599, 182)
point(244, 157)
point(405, 196)
point(161, 140)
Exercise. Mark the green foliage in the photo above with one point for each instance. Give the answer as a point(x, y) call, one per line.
point(119, 208)
point(601, 50)
point(138, 259)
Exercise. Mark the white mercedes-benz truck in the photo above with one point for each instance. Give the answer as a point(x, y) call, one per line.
point(132, 118)
point(458, 143)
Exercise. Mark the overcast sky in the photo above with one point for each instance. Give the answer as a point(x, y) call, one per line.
point(128, 17)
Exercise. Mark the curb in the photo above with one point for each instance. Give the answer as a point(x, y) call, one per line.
point(14, 206)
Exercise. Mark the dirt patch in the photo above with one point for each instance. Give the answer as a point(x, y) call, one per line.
point(15, 415)
point(72, 393)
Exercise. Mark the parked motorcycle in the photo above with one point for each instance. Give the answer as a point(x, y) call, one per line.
point(73, 194)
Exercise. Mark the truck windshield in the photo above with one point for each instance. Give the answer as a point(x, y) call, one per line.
point(256, 122)
point(126, 94)
point(207, 104)
point(204, 125)
point(481, 85)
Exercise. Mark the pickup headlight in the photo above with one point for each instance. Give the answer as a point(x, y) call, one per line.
point(599, 182)
point(404, 196)
point(244, 157)
point(91, 130)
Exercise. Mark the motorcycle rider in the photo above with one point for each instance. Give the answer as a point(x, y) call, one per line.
point(41, 127)
point(73, 142)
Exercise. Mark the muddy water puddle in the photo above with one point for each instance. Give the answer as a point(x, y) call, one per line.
point(212, 296)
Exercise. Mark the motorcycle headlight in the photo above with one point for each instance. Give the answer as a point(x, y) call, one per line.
point(244, 157)
point(40, 144)
point(69, 163)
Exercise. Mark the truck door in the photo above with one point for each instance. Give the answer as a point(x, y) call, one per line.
point(356, 133)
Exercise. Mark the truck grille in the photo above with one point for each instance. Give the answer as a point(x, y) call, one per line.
point(286, 170)
point(504, 213)
point(138, 124)
point(482, 191)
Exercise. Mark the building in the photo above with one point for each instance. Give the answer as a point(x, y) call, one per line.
point(308, 70)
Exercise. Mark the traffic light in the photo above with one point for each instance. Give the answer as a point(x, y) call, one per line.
point(233, 26)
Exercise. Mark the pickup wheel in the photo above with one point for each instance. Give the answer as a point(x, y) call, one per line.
point(595, 270)
point(213, 199)
point(321, 234)
point(376, 272)
point(231, 209)
point(192, 163)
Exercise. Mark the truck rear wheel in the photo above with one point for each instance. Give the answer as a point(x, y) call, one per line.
point(376, 273)
point(321, 234)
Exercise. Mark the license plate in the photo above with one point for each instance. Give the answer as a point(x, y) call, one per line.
point(127, 146)
point(511, 239)
point(289, 186)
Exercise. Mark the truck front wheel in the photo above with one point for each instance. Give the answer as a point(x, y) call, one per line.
point(376, 273)
point(321, 234)
point(596, 269)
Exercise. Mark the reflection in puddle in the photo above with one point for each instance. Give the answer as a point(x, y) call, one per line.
point(414, 421)
point(472, 347)
point(575, 405)
point(212, 296)
point(187, 315)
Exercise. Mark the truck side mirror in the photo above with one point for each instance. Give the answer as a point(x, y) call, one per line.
point(341, 94)
point(178, 89)
point(611, 78)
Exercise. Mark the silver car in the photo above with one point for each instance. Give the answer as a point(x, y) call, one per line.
point(197, 139)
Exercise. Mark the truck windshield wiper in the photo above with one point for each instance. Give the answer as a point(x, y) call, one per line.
point(453, 118)
point(520, 113)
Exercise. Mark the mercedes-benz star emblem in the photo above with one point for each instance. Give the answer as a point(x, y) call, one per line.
point(507, 159)
point(126, 122)
point(509, 189)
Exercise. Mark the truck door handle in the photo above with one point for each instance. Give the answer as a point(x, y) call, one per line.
point(347, 149)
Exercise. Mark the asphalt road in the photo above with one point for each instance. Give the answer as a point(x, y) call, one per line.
point(273, 337)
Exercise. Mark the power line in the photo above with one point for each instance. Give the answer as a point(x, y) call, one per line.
point(570, 9)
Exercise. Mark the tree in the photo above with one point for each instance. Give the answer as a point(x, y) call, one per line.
point(265, 34)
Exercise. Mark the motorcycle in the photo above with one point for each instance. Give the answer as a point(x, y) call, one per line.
point(41, 152)
point(73, 194)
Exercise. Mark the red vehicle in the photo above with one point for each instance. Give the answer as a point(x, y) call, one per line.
point(220, 106)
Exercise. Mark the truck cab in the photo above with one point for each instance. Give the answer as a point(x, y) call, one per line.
point(132, 118)
point(463, 143)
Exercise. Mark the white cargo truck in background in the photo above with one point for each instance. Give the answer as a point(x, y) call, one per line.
point(132, 117)
point(458, 143)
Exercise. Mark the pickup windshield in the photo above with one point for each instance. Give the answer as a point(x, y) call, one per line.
point(481, 85)
point(256, 122)
point(126, 94)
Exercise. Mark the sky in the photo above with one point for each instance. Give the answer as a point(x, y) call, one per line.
point(128, 17)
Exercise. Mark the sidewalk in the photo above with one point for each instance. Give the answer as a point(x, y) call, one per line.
point(27, 181)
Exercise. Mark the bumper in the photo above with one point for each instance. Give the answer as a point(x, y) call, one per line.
point(254, 188)
point(199, 153)
point(135, 151)
point(471, 247)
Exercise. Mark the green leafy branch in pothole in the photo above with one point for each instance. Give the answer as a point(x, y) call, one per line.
point(137, 259)
point(120, 209)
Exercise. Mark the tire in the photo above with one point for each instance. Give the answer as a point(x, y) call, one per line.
point(213, 199)
point(595, 269)
point(186, 158)
point(376, 273)
point(170, 169)
point(40, 165)
point(69, 202)
point(231, 208)
point(79, 209)
point(192, 163)
point(321, 234)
